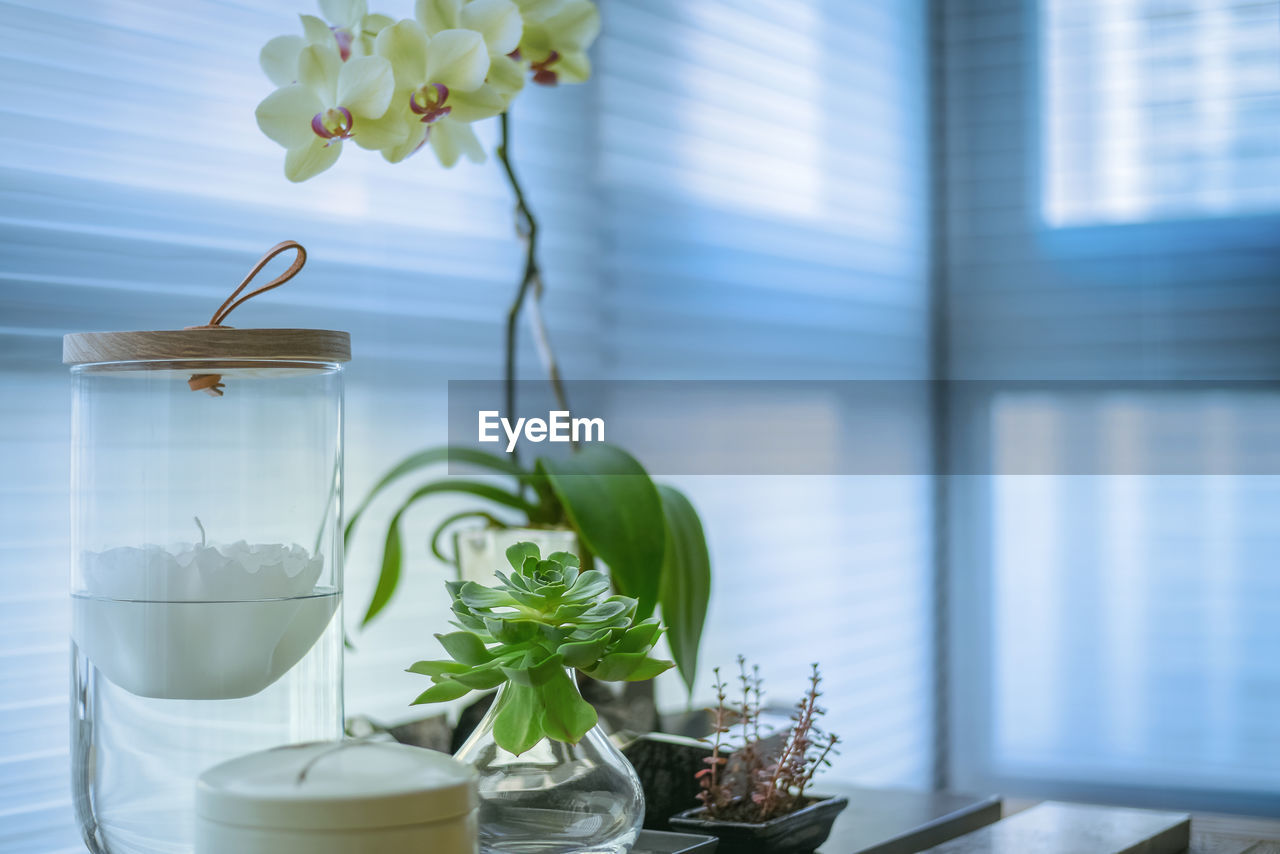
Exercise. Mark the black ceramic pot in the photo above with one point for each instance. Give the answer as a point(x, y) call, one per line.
point(801, 831)
point(666, 765)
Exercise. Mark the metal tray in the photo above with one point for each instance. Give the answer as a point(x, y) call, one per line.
point(662, 842)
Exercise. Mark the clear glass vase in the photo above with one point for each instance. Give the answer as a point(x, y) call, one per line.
point(554, 798)
point(206, 569)
point(483, 551)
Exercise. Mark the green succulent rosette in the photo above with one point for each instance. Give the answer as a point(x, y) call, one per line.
point(544, 618)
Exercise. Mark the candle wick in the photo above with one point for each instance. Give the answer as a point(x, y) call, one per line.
point(201, 527)
point(344, 744)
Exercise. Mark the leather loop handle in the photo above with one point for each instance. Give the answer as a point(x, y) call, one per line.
point(212, 383)
point(231, 303)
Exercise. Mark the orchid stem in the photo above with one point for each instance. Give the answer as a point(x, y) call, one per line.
point(527, 229)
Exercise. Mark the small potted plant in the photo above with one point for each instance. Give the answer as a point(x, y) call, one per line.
point(760, 802)
point(549, 776)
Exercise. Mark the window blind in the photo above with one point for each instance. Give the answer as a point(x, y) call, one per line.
point(764, 172)
point(1112, 633)
point(1160, 109)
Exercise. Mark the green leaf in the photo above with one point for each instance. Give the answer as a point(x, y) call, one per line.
point(640, 637)
point(515, 580)
point(511, 631)
point(465, 647)
point(583, 653)
point(617, 513)
point(432, 456)
point(519, 655)
point(570, 611)
point(549, 511)
point(532, 600)
point(628, 666)
point(482, 678)
point(518, 553)
point(389, 576)
point(604, 612)
point(478, 488)
point(590, 633)
point(518, 724)
point(565, 558)
point(531, 674)
point(565, 715)
point(589, 585)
point(686, 582)
point(650, 668)
point(549, 570)
point(478, 596)
point(442, 692)
point(436, 668)
point(467, 620)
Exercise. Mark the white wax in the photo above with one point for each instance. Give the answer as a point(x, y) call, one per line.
point(202, 573)
point(333, 798)
point(200, 621)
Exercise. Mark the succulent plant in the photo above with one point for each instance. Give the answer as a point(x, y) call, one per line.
point(529, 631)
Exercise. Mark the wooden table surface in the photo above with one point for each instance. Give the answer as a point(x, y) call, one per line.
point(1224, 834)
point(1211, 833)
point(874, 813)
point(892, 821)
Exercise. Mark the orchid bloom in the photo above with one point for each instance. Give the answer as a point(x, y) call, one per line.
point(499, 22)
point(556, 36)
point(351, 25)
point(439, 89)
point(331, 102)
point(351, 32)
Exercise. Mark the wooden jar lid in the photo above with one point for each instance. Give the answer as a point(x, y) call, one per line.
point(213, 342)
point(217, 344)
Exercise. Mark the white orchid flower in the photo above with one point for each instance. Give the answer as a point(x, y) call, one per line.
point(351, 31)
point(279, 59)
point(439, 90)
point(557, 34)
point(499, 22)
point(353, 28)
point(331, 102)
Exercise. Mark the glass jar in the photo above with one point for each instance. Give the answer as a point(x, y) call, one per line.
point(206, 565)
point(554, 798)
point(483, 551)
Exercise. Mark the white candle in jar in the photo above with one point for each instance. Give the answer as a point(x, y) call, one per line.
point(338, 798)
point(200, 621)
